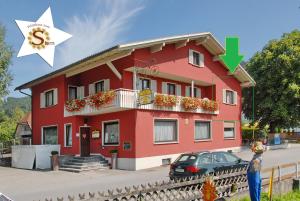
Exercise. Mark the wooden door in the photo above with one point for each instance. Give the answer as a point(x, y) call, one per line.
point(84, 141)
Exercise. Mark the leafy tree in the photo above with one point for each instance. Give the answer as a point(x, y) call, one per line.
point(5, 60)
point(8, 125)
point(276, 70)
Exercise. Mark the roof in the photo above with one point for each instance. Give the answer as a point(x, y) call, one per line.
point(206, 39)
point(26, 119)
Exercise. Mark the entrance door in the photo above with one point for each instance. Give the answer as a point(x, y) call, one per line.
point(84, 141)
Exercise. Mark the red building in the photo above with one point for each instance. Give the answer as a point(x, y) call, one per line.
point(150, 100)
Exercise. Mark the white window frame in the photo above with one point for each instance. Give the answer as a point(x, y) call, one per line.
point(65, 140)
point(55, 101)
point(171, 142)
point(192, 51)
point(211, 135)
point(42, 132)
point(229, 138)
point(111, 145)
point(143, 78)
point(69, 91)
point(46, 97)
point(103, 80)
point(234, 97)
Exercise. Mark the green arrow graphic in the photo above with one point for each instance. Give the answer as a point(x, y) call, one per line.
point(231, 58)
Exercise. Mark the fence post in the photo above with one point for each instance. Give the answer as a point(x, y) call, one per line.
point(297, 169)
point(279, 173)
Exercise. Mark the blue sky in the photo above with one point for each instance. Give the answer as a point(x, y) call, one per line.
point(99, 24)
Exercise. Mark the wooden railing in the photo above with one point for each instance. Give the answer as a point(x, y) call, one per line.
point(128, 99)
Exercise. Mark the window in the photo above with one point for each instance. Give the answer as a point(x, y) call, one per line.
point(229, 97)
point(165, 130)
point(171, 89)
point(49, 98)
point(50, 135)
point(72, 92)
point(229, 131)
point(99, 86)
point(230, 158)
point(202, 130)
point(196, 58)
point(187, 158)
point(224, 157)
point(145, 84)
point(111, 133)
point(68, 135)
point(204, 158)
point(197, 92)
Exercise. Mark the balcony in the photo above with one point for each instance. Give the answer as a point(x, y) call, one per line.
point(125, 99)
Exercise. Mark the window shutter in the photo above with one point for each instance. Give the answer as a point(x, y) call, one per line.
point(224, 95)
point(80, 92)
point(55, 98)
point(190, 56)
point(139, 84)
point(178, 90)
point(164, 88)
point(106, 85)
point(91, 89)
point(153, 85)
point(235, 97)
point(187, 91)
point(42, 100)
point(201, 57)
point(198, 93)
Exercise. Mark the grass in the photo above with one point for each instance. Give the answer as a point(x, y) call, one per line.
point(291, 196)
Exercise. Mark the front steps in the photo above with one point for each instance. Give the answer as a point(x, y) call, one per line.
point(80, 164)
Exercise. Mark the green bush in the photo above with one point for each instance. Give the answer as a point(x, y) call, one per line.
point(291, 196)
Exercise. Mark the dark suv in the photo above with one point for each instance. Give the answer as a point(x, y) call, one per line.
point(191, 164)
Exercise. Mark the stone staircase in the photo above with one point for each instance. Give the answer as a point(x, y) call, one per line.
point(80, 164)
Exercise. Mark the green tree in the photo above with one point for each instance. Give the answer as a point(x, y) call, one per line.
point(5, 60)
point(8, 125)
point(276, 70)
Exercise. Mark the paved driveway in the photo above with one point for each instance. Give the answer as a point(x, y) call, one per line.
point(27, 185)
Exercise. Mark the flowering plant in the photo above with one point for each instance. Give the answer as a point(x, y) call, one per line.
point(165, 100)
point(101, 98)
point(190, 103)
point(209, 105)
point(75, 105)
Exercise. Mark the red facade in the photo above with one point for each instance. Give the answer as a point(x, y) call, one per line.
point(136, 125)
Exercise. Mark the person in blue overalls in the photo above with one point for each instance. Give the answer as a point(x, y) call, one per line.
point(253, 171)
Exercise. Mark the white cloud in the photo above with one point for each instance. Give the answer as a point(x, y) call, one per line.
point(102, 27)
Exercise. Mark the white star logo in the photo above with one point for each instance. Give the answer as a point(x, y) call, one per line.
point(41, 37)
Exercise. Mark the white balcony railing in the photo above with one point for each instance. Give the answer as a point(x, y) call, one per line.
point(128, 99)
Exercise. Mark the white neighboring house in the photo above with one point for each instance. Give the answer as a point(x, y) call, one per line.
point(24, 130)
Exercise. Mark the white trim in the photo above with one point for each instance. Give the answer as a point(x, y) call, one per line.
point(210, 124)
point(229, 138)
point(110, 121)
point(69, 91)
point(156, 161)
point(42, 132)
point(114, 69)
point(157, 48)
point(65, 142)
point(201, 58)
point(181, 43)
point(234, 98)
point(153, 126)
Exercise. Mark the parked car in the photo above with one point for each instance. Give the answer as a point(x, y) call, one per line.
point(4, 198)
point(191, 164)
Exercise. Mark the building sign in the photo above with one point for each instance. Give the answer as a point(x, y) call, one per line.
point(145, 97)
point(95, 134)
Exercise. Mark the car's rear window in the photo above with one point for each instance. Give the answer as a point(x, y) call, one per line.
point(187, 158)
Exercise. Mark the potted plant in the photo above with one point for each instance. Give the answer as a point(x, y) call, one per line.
point(114, 157)
point(54, 160)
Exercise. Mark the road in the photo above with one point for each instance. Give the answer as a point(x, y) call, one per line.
point(27, 185)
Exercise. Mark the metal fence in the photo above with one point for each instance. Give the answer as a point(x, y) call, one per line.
point(227, 182)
